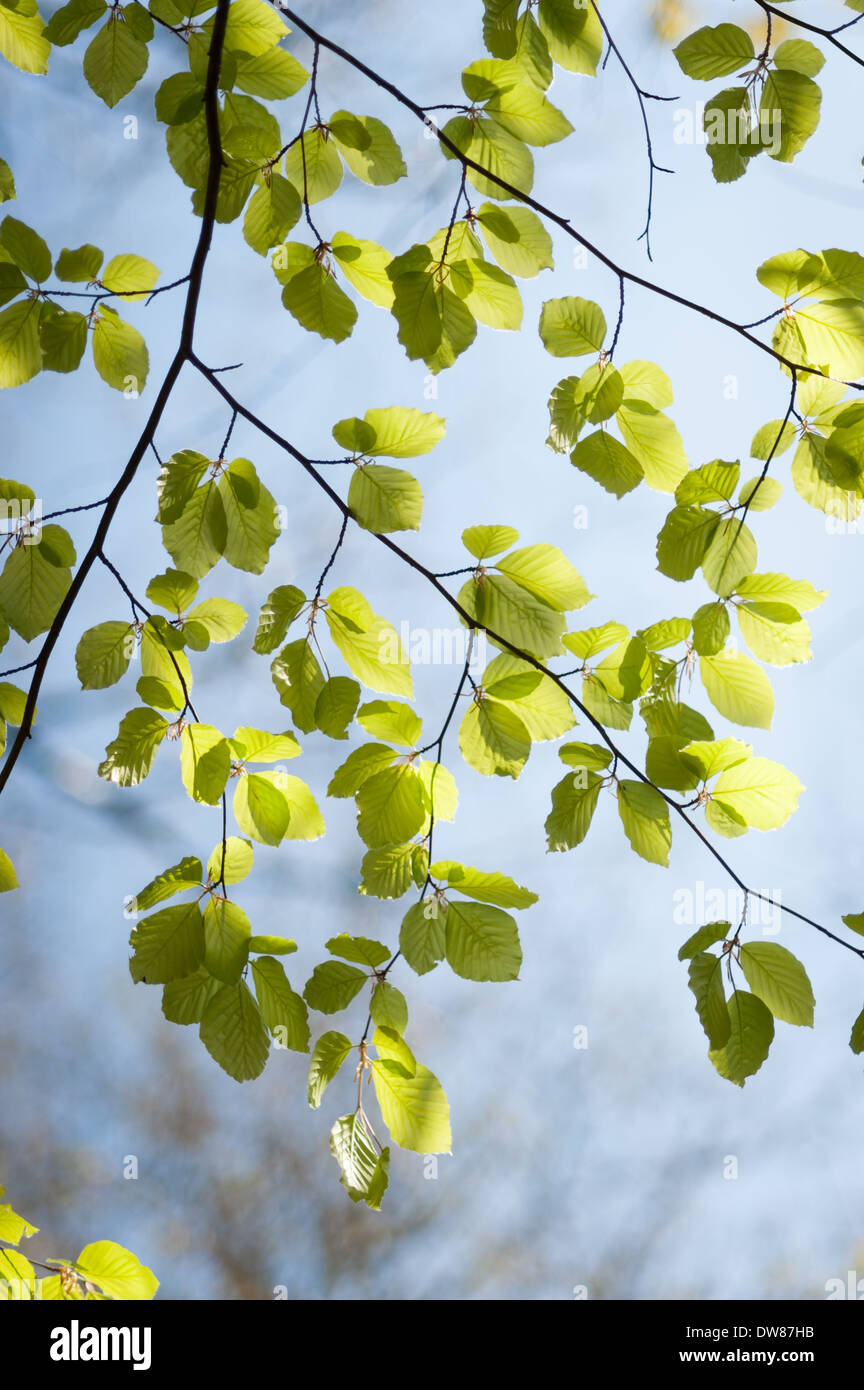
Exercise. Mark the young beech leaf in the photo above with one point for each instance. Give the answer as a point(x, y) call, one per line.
point(751, 1032)
point(329, 1053)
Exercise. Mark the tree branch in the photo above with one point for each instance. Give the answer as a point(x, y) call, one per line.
point(182, 355)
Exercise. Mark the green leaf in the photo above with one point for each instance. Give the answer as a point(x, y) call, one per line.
point(272, 945)
point(856, 1040)
point(765, 441)
point(168, 945)
point(35, 580)
point(227, 934)
point(751, 1035)
point(388, 872)
point(272, 211)
point(800, 56)
point(684, 540)
point(131, 276)
point(711, 628)
point(774, 632)
point(8, 877)
point(306, 821)
point(119, 352)
point(359, 950)
point(494, 888)
point(546, 572)
point(645, 817)
point(793, 103)
point(115, 60)
point(738, 688)
point(20, 349)
point(277, 614)
point(177, 879)
point(118, 1272)
point(63, 339)
point(368, 147)
point(715, 52)
point(608, 462)
point(385, 499)
point(12, 282)
point(273, 74)
point(130, 756)
point(486, 541)
point(422, 936)
point(103, 654)
point(336, 705)
point(777, 978)
point(516, 238)
point(22, 38)
point(573, 33)
point(177, 482)
point(319, 305)
point(388, 1008)
point(543, 707)
point(213, 620)
point(667, 633)
point(205, 762)
point(282, 1010)
point(505, 608)
point(760, 791)
point(184, 1001)
point(710, 756)
point(7, 182)
point(391, 806)
point(250, 517)
point(253, 27)
point(525, 113)
point(829, 336)
point(574, 801)
point(414, 1108)
point(655, 443)
point(238, 857)
point(488, 293)
point(299, 680)
point(329, 1053)
point(314, 166)
point(364, 1171)
point(26, 248)
point(572, 327)
point(179, 99)
point(173, 590)
point(261, 809)
point(730, 130)
point(493, 739)
point(370, 645)
point(760, 494)
point(234, 1034)
point(705, 977)
point(730, 556)
point(703, 938)
point(391, 720)
point(397, 431)
point(485, 143)
point(257, 746)
point(433, 322)
point(481, 942)
point(365, 264)
point(591, 757)
point(14, 1228)
point(332, 986)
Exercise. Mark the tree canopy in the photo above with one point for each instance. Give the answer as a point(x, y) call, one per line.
point(250, 131)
